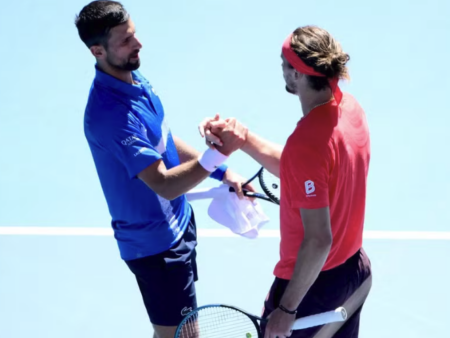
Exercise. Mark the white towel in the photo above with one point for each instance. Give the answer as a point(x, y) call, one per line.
point(242, 217)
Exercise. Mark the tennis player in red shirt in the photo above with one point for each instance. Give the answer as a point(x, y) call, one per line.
point(323, 170)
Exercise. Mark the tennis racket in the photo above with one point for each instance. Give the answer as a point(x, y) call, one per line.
point(269, 183)
point(224, 321)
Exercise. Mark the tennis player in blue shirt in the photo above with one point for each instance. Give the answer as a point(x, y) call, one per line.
point(143, 169)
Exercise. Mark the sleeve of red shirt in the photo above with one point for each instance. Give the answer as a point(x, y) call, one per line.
point(309, 165)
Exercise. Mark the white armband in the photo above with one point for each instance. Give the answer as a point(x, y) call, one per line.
point(211, 159)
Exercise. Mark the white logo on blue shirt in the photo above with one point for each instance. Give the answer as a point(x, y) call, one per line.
point(130, 140)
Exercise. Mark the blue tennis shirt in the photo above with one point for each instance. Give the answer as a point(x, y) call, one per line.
point(127, 131)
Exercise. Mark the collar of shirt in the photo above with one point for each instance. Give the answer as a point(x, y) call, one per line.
point(134, 90)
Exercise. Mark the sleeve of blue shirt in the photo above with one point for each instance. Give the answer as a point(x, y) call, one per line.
point(125, 138)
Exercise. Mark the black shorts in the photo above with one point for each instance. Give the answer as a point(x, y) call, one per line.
point(330, 290)
point(166, 280)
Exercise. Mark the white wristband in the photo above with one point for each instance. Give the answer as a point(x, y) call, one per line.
point(211, 159)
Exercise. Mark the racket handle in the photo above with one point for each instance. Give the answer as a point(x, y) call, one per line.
point(231, 189)
point(253, 194)
point(338, 315)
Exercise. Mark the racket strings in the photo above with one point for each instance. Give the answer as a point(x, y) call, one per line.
point(218, 322)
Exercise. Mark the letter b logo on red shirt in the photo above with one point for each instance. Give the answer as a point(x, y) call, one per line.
point(309, 187)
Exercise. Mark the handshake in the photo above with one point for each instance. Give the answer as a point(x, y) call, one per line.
point(226, 136)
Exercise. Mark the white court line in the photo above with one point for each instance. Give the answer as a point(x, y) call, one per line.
point(75, 231)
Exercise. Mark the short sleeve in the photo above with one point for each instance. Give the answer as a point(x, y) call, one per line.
point(308, 169)
point(125, 137)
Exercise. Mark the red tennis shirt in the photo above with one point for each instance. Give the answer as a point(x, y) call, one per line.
point(325, 163)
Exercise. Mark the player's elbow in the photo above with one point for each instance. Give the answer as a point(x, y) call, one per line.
point(167, 194)
point(162, 189)
point(322, 240)
point(155, 178)
point(317, 227)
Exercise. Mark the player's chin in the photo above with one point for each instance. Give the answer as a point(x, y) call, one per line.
point(290, 90)
point(133, 64)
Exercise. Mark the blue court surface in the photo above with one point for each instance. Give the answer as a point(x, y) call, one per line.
point(75, 286)
point(60, 270)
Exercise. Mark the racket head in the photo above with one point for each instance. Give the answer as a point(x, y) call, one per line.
point(218, 320)
point(270, 184)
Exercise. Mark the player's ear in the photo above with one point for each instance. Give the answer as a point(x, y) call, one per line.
point(97, 51)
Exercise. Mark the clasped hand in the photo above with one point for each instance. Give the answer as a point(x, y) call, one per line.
point(225, 135)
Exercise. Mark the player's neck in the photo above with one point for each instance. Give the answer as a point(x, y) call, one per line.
point(122, 75)
point(311, 99)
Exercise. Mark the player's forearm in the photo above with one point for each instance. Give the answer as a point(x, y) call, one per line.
point(264, 152)
point(180, 179)
point(310, 261)
point(185, 151)
point(174, 182)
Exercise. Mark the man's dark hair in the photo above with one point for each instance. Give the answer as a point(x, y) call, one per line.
point(97, 19)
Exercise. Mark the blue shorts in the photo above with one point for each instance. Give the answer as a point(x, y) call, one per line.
point(166, 280)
